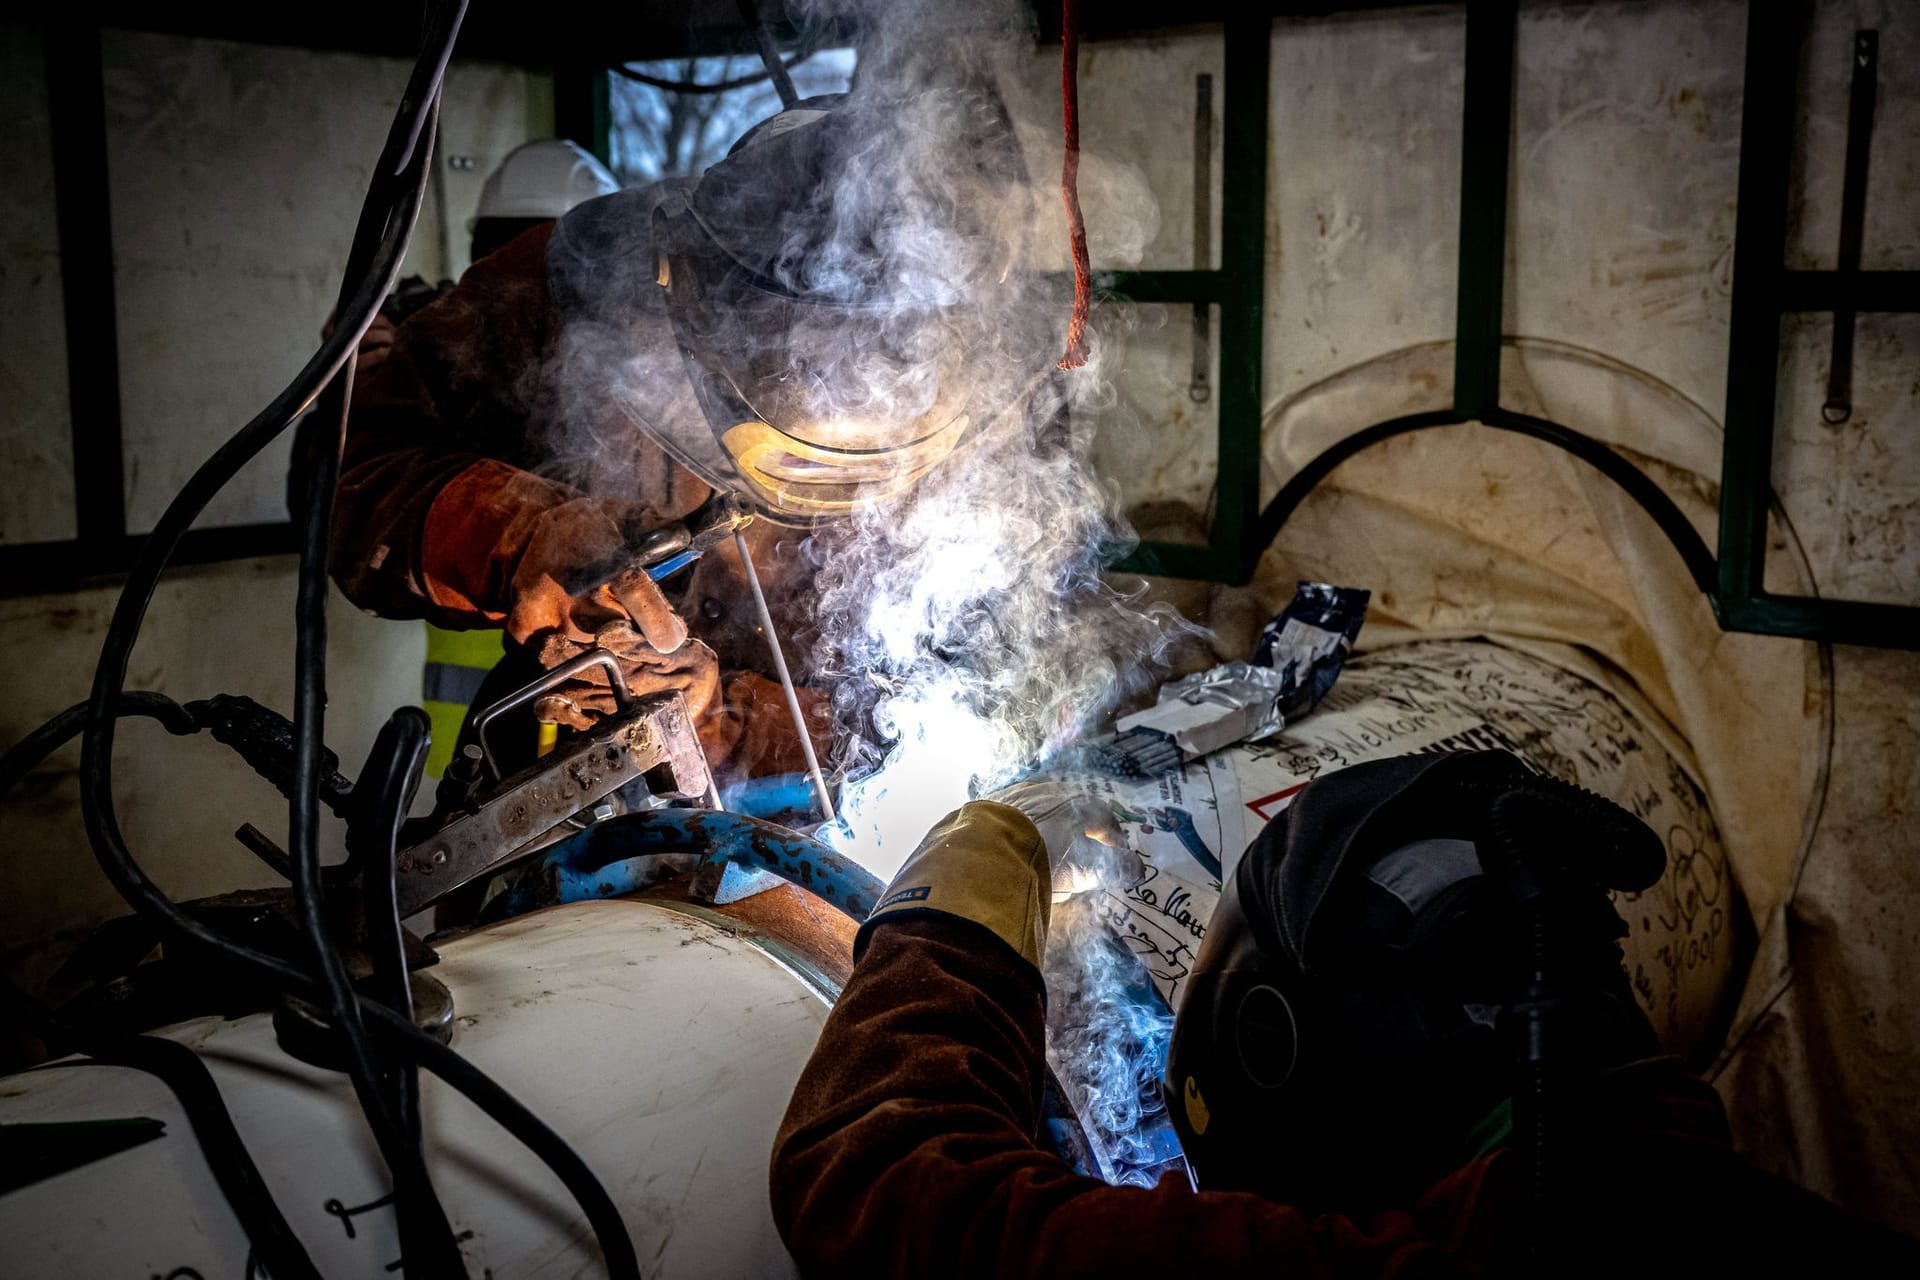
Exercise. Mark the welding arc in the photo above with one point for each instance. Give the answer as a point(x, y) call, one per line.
point(387, 226)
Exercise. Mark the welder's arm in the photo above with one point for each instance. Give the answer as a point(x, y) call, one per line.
point(431, 508)
point(908, 1148)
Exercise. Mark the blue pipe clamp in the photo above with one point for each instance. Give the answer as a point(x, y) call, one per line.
point(605, 860)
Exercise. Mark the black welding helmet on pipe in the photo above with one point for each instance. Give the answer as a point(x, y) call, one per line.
point(844, 289)
point(1349, 1032)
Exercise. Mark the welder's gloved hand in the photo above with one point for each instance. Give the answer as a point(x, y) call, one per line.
point(564, 540)
point(984, 862)
point(1085, 845)
point(691, 670)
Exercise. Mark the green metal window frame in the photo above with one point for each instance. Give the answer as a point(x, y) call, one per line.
point(1763, 290)
point(1238, 288)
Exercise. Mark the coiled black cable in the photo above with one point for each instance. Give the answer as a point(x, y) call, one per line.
point(386, 224)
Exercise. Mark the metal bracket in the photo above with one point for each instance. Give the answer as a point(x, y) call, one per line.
point(1763, 291)
point(1853, 218)
point(652, 742)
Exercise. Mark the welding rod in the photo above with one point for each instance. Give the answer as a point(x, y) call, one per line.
point(786, 679)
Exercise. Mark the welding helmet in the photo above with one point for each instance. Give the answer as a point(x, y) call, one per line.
point(845, 299)
point(1348, 1035)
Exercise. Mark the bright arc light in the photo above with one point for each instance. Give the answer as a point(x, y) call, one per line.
point(941, 748)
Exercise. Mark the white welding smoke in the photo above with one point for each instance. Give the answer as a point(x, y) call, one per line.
point(963, 625)
point(974, 636)
point(1107, 1038)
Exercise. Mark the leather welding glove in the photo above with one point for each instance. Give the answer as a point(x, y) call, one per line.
point(563, 540)
point(500, 543)
point(691, 670)
point(1086, 847)
point(985, 862)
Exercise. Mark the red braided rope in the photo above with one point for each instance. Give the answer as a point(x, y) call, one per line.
point(1070, 187)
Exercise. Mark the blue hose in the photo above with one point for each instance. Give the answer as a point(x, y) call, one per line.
point(605, 860)
point(770, 797)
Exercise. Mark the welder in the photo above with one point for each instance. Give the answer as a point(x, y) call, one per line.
point(535, 184)
point(1407, 1048)
point(746, 332)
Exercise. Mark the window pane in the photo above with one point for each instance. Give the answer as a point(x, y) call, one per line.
point(659, 133)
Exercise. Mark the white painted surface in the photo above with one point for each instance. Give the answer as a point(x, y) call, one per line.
point(661, 1047)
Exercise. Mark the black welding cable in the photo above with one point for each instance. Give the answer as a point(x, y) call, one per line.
point(371, 288)
point(609, 1228)
point(386, 788)
point(179, 1068)
point(388, 1093)
point(388, 1097)
point(21, 758)
point(273, 1242)
point(393, 223)
point(98, 810)
point(426, 1235)
point(227, 1155)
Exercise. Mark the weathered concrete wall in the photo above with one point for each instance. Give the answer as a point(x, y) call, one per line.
point(234, 198)
point(234, 201)
point(36, 449)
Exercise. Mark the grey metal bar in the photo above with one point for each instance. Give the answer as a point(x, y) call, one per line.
point(1200, 389)
point(1853, 216)
point(786, 679)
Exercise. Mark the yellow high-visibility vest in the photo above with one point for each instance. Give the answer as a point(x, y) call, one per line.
point(457, 661)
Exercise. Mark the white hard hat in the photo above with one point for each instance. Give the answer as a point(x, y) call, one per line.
point(543, 180)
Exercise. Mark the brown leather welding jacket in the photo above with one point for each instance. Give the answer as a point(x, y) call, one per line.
point(909, 1149)
point(470, 425)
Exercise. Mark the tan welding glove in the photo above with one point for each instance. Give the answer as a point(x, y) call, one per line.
point(1086, 848)
point(563, 539)
point(985, 862)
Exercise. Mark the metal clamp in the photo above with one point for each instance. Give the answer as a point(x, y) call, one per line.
point(547, 683)
point(654, 744)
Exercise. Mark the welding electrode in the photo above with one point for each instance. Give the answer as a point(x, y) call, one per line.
point(786, 680)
